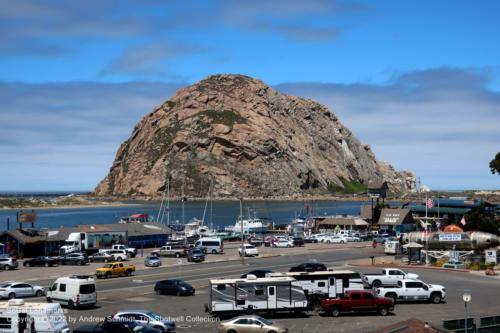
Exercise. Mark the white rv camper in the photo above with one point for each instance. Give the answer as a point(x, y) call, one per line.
point(324, 284)
point(16, 316)
point(255, 295)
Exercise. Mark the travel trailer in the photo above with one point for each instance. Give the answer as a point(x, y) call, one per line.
point(255, 295)
point(323, 284)
point(16, 316)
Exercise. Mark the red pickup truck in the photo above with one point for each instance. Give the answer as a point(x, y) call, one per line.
point(357, 301)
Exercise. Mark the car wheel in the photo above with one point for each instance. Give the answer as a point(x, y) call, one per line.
point(128, 272)
point(177, 255)
point(80, 263)
point(342, 242)
point(231, 331)
point(39, 293)
point(394, 297)
point(158, 292)
point(383, 310)
point(272, 332)
point(328, 241)
point(105, 260)
point(335, 311)
point(6, 267)
point(12, 295)
point(178, 293)
point(46, 264)
point(376, 284)
point(49, 300)
point(436, 298)
point(108, 275)
point(119, 259)
point(214, 251)
point(71, 305)
point(159, 328)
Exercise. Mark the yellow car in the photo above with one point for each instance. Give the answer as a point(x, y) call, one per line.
point(114, 269)
point(249, 324)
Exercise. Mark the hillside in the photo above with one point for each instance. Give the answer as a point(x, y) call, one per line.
point(250, 139)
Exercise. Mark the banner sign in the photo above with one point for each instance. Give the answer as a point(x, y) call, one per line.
point(490, 256)
point(391, 218)
point(26, 217)
point(449, 237)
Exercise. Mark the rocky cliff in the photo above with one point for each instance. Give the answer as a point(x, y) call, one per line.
point(249, 139)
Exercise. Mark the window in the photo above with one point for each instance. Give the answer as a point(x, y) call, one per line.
point(87, 288)
point(259, 292)
point(17, 286)
point(367, 296)
point(271, 291)
point(356, 296)
point(321, 284)
point(242, 322)
point(62, 287)
point(345, 282)
point(413, 285)
point(221, 287)
point(5, 322)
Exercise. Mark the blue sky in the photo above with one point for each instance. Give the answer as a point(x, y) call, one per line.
point(418, 81)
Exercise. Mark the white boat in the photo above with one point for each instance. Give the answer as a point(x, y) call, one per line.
point(195, 227)
point(250, 226)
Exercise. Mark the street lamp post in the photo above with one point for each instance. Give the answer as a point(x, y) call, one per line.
point(466, 297)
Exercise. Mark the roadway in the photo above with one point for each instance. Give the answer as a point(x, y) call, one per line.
point(136, 292)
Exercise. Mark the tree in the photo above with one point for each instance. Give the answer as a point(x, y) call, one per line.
point(495, 164)
point(478, 220)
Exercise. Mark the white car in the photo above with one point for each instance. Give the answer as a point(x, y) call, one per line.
point(283, 243)
point(20, 289)
point(248, 250)
point(351, 238)
point(147, 318)
point(336, 239)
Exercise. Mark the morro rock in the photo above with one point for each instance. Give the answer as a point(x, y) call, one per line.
point(246, 137)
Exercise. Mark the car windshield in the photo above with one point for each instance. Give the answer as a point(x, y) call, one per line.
point(108, 266)
point(154, 315)
point(264, 321)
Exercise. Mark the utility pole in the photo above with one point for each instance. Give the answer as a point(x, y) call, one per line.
point(241, 228)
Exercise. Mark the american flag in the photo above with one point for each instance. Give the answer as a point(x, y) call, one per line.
point(430, 203)
point(463, 220)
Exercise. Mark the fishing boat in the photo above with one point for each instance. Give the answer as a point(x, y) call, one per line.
point(249, 226)
point(139, 218)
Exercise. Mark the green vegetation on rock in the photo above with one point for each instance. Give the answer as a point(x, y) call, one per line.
point(225, 117)
point(349, 187)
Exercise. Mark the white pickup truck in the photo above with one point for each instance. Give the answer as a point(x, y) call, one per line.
point(132, 252)
point(388, 277)
point(414, 290)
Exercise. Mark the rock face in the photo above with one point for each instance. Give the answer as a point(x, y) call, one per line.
point(246, 137)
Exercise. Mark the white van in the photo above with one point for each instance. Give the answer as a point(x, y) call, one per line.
point(212, 245)
point(73, 291)
point(17, 316)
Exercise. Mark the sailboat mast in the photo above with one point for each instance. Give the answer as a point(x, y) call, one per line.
point(182, 199)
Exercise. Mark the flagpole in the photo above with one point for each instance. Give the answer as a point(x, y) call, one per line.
point(425, 233)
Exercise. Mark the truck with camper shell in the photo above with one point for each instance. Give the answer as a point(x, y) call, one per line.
point(388, 277)
point(414, 290)
point(255, 295)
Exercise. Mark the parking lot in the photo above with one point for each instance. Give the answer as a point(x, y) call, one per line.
point(136, 292)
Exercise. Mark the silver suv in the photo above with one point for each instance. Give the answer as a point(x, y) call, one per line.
point(8, 263)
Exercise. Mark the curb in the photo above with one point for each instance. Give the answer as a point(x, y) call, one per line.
point(413, 267)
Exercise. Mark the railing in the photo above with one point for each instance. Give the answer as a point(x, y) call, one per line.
point(486, 325)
